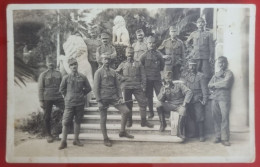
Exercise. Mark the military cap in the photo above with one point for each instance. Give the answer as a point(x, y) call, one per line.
point(167, 75)
point(72, 61)
point(200, 20)
point(150, 39)
point(192, 61)
point(173, 28)
point(106, 55)
point(104, 35)
point(139, 31)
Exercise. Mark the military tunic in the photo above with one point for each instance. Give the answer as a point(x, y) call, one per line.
point(109, 49)
point(93, 44)
point(133, 82)
point(174, 49)
point(203, 50)
point(198, 85)
point(221, 96)
point(139, 49)
point(74, 87)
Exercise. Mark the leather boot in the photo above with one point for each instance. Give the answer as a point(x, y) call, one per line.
point(162, 120)
point(151, 114)
point(201, 132)
point(129, 119)
point(145, 123)
point(125, 134)
point(181, 127)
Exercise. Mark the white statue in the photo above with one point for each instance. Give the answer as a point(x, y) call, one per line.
point(76, 47)
point(120, 33)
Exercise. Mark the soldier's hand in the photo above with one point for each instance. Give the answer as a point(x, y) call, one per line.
point(100, 104)
point(182, 110)
point(211, 60)
point(42, 104)
point(120, 101)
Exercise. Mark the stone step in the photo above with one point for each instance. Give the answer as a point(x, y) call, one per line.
point(93, 103)
point(137, 137)
point(113, 111)
point(116, 119)
point(115, 128)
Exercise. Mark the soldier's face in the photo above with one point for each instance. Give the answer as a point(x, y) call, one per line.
point(93, 34)
point(173, 34)
point(192, 68)
point(222, 64)
point(140, 36)
point(151, 45)
point(104, 40)
point(129, 55)
point(106, 61)
point(74, 67)
point(200, 24)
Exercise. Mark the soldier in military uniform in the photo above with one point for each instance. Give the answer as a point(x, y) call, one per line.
point(203, 48)
point(153, 63)
point(107, 91)
point(74, 87)
point(220, 86)
point(93, 43)
point(140, 46)
point(49, 95)
point(133, 82)
point(173, 96)
point(173, 51)
point(197, 82)
point(105, 48)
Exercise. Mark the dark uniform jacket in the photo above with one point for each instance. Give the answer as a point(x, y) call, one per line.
point(92, 45)
point(153, 63)
point(106, 84)
point(49, 83)
point(222, 81)
point(74, 88)
point(203, 45)
point(178, 93)
point(139, 49)
point(173, 48)
point(133, 75)
point(109, 49)
point(198, 85)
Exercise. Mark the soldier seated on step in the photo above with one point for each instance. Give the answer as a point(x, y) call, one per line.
point(173, 96)
point(74, 87)
point(107, 91)
point(133, 82)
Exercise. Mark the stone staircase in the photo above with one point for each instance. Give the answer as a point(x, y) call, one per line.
point(90, 127)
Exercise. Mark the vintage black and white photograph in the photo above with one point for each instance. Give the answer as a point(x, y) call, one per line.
point(130, 83)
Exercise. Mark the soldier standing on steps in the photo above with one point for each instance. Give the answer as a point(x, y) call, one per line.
point(220, 85)
point(153, 63)
point(173, 96)
point(173, 50)
point(140, 46)
point(107, 91)
point(133, 81)
point(49, 95)
point(74, 87)
point(105, 48)
point(203, 48)
point(197, 82)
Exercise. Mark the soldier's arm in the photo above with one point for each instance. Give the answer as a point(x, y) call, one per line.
point(119, 72)
point(161, 61)
point(98, 56)
point(96, 88)
point(161, 96)
point(187, 93)
point(161, 48)
point(211, 46)
point(113, 55)
point(211, 82)
point(190, 38)
point(143, 76)
point(226, 82)
point(41, 87)
point(204, 88)
point(119, 92)
point(142, 59)
point(87, 88)
point(63, 86)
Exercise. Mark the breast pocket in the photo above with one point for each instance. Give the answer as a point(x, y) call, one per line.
point(80, 85)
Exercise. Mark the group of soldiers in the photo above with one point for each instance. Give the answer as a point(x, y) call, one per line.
point(139, 76)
